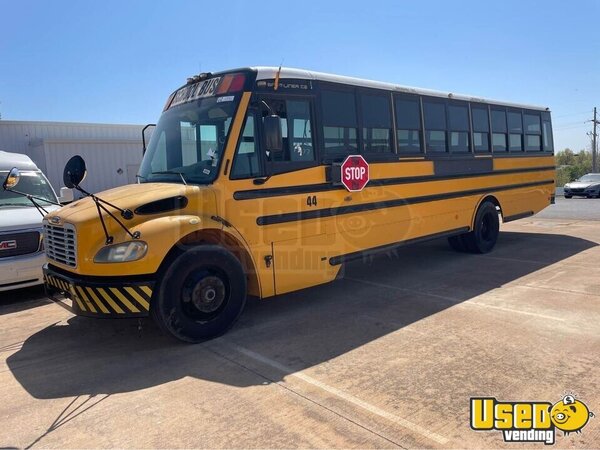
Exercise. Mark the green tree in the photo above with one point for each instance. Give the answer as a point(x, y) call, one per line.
point(571, 165)
point(565, 157)
point(563, 175)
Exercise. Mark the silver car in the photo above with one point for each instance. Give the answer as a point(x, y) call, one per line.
point(586, 186)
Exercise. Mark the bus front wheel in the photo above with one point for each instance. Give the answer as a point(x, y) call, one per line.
point(201, 294)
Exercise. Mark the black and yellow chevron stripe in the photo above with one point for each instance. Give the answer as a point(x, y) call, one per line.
point(124, 301)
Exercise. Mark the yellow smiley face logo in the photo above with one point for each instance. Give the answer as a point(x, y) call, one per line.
point(570, 415)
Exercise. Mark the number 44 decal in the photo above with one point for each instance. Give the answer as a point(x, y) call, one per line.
point(311, 200)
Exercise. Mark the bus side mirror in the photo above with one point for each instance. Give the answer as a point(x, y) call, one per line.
point(273, 134)
point(74, 172)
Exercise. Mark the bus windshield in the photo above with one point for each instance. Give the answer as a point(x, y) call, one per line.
point(591, 177)
point(189, 141)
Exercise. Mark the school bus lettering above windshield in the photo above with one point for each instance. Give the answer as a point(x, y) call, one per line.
point(193, 92)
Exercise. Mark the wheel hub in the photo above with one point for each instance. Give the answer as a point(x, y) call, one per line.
point(208, 294)
point(486, 227)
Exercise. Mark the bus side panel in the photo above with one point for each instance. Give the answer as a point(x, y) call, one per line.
point(361, 231)
point(525, 201)
point(528, 200)
point(263, 257)
point(304, 262)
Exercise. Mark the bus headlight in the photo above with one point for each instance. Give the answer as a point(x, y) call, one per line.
point(126, 251)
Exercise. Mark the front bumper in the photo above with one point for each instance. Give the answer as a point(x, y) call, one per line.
point(98, 296)
point(579, 193)
point(21, 271)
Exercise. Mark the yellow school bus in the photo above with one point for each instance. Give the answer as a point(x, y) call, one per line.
point(242, 192)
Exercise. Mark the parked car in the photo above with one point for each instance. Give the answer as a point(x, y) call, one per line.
point(21, 246)
point(586, 186)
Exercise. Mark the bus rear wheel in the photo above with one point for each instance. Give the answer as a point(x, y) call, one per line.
point(485, 230)
point(201, 294)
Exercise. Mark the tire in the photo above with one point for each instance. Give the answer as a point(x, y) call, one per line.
point(485, 230)
point(457, 243)
point(568, 196)
point(201, 294)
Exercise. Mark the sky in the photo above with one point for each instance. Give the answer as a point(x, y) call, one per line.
point(117, 61)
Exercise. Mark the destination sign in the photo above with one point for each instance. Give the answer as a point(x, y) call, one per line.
point(205, 88)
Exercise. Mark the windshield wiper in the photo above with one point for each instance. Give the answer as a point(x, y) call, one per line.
point(170, 172)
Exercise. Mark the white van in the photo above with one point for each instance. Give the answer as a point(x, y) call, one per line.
point(21, 246)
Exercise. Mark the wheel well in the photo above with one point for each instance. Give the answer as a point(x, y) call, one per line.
point(487, 198)
point(215, 237)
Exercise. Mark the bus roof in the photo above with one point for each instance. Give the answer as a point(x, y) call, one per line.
point(268, 73)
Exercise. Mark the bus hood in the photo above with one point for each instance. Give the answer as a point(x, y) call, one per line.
point(159, 226)
point(131, 196)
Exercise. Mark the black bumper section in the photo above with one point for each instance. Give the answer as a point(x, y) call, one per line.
point(581, 194)
point(110, 298)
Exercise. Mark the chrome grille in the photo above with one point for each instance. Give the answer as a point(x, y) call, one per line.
point(60, 243)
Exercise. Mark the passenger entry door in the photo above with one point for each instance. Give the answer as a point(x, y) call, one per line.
point(300, 247)
point(267, 203)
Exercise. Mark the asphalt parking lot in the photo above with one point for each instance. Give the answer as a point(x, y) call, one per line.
point(386, 357)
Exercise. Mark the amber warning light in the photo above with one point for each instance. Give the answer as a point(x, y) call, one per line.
point(231, 83)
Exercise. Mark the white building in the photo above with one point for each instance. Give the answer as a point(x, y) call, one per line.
point(112, 152)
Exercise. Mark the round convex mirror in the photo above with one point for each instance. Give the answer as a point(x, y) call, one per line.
point(74, 172)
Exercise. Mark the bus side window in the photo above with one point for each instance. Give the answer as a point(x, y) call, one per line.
point(481, 128)
point(515, 130)
point(246, 163)
point(435, 125)
point(301, 132)
point(408, 124)
point(296, 130)
point(547, 133)
point(339, 123)
point(499, 142)
point(377, 123)
point(533, 131)
point(458, 126)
